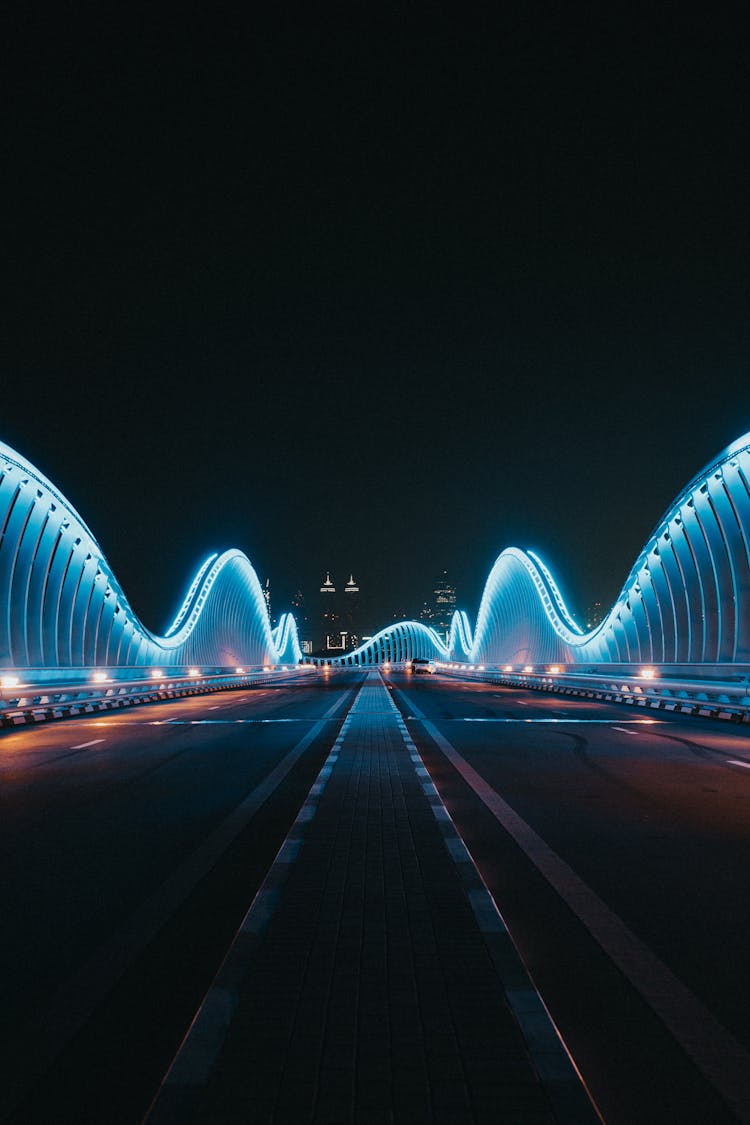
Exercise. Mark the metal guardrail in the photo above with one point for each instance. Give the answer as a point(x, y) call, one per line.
point(707, 695)
point(34, 696)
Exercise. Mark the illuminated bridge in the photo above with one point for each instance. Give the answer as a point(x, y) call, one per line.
point(62, 607)
point(350, 893)
point(686, 600)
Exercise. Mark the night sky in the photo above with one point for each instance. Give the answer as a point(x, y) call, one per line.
point(381, 293)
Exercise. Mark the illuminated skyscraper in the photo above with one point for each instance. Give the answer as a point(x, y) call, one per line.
point(328, 587)
point(328, 618)
point(445, 604)
point(351, 613)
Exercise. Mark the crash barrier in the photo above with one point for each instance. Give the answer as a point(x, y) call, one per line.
point(38, 695)
point(717, 691)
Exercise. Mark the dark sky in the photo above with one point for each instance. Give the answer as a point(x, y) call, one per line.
point(381, 293)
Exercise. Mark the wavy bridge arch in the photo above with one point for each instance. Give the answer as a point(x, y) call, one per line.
point(61, 606)
point(686, 599)
point(406, 640)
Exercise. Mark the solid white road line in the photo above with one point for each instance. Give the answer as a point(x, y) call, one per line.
point(721, 1059)
point(85, 745)
point(553, 1061)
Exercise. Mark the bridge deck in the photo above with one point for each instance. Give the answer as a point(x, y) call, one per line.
point(372, 980)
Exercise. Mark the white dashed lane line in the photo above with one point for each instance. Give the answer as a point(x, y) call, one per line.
point(624, 730)
point(736, 762)
point(85, 745)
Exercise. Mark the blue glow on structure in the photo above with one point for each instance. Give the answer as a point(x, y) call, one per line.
point(406, 640)
point(61, 606)
point(286, 640)
point(686, 599)
point(191, 594)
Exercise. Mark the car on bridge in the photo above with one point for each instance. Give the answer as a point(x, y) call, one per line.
point(421, 666)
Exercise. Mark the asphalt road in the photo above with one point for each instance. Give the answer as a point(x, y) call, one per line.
point(627, 824)
point(615, 842)
point(131, 845)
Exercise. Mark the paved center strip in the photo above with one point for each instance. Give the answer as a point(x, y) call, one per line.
point(722, 1060)
point(373, 978)
point(195, 1060)
point(73, 1003)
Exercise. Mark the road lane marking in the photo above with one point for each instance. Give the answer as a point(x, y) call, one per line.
point(204, 722)
point(74, 1001)
point(736, 762)
point(721, 1059)
point(553, 720)
point(554, 1064)
point(624, 730)
point(193, 1064)
point(196, 1057)
point(85, 745)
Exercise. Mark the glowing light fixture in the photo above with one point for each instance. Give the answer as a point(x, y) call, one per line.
point(156, 673)
point(554, 670)
point(193, 672)
point(508, 668)
point(9, 681)
point(240, 671)
point(647, 673)
point(528, 668)
point(100, 677)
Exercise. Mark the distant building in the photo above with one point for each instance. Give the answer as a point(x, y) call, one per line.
point(334, 623)
point(350, 617)
point(328, 587)
point(444, 604)
point(328, 615)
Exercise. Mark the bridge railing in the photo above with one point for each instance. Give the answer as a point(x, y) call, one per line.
point(718, 691)
point(33, 695)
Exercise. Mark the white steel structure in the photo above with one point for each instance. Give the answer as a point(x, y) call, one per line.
point(61, 606)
